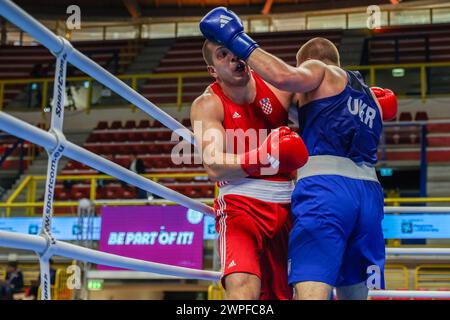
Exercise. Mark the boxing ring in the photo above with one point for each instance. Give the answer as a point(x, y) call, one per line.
point(45, 245)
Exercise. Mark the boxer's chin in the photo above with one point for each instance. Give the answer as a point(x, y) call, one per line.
point(242, 78)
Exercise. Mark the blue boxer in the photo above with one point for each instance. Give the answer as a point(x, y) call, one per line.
point(337, 204)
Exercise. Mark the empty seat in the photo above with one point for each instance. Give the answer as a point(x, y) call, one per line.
point(124, 162)
point(163, 135)
point(166, 148)
point(61, 194)
point(105, 149)
point(120, 136)
point(116, 125)
point(143, 124)
point(134, 136)
point(101, 125)
point(421, 116)
point(405, 116)
point(79, 193)
point(104, 137)
point(93, 148)
point(157, 124)
point(206, 191)
point(128, 194)
point(109, 193)
point(124, 149)
point(130, 124)
point(186, 122)
point(140, 148)
point(70, 165)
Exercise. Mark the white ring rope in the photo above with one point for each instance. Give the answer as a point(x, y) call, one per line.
point(47, 140)
point(56, 145)
point(38, 31)
point(416, 209)
point(54, 155)
point(60, 248)
point(409, 294)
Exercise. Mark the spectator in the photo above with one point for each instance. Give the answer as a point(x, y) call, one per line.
point(37, 72)
point(13, 283)
point(70, 72)
point(33, 292)
point(67, 185)
point(137, 165)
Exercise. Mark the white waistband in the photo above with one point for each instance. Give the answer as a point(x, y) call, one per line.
point(332, 165)
point(264, 190)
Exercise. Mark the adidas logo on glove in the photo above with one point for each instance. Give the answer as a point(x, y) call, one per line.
point(224, 20)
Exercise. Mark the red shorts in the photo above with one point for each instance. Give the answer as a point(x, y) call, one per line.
point(253, 238)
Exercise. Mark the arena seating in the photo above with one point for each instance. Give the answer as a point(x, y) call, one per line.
point(403, 44)
point(18, 62)
point(403, 143)
point(151, 143)
point(185, 56)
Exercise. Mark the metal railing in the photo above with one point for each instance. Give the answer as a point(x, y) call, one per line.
point(188, 26)
point(133, 79)
point(29, 185)
point(180, 77)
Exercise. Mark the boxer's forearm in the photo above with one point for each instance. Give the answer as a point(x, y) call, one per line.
point(272, 69)
point(278, 73)
point(223, 166)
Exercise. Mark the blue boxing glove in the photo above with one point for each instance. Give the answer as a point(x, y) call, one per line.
point(223, 26)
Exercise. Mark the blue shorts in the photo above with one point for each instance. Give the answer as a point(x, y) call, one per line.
point(337, 236)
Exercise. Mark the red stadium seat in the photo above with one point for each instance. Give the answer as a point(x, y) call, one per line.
point(134, 136)
point(130, 124)
point(70, 165)
point(124, 149)
point(120, 136)
point(105, 149)
point(109, 193)
point(157, 124)
point(128, 194)
point(144, 124)
point(405, 116)
point(61, 194)
point(104, 137)
point(207, 191)
point(421, 116)
point(102, 125)
point(139, 148)
point(116, 125)
point(166, 147)
point(149, 163)
point(92, 138)
point(163, 135)
point(79, 193)
point(148, 136)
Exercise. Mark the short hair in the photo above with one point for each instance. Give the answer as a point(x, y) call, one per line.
point(207, 53)
point(319, 49)
point(13, 264)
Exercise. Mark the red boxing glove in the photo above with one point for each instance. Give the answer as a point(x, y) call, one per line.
point(388, 102)
point(283, 151)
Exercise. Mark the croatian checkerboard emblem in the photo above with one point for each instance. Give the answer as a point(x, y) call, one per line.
point(266, 105)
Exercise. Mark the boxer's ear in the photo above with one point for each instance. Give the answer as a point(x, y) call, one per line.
point(212, 71)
